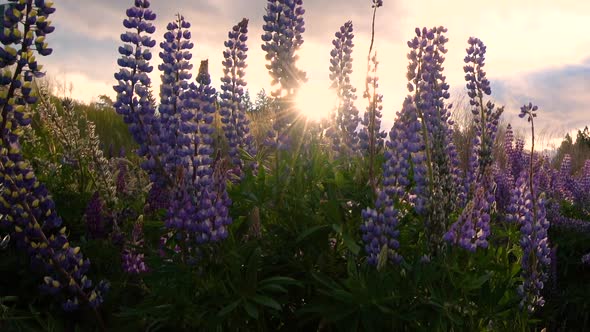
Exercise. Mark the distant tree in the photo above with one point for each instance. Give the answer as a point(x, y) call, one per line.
point(583, 138)
point(104, 103)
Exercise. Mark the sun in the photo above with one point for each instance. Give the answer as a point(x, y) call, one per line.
point(315, 101)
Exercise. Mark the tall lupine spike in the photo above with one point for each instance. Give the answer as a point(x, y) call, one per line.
point(345, 119)
point(566, 187)
point(28, 210)
point(236, 124)
point(202, 140)
point(176, 101)
point(486, 115)
point(532, 218)
point(133, 101)
point(425, 74)
point(283, 36)
point(472, 228)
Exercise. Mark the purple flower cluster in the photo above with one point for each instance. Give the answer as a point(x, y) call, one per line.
point(486, 116)
point(28, 210)
point(379, 232)
point(176, 99)
point(473, 226)
point(232, 109)
point(421, 165)
point(177, 144)
point(133, 261)
point(567, 186)
point(529, 212)
point(531, 217)
point(345, 119)
point(133, 87)
point(97, 223)
point(283, 36)
point(404, 170)
point(427, 82)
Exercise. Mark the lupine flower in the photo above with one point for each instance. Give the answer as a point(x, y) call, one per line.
point(426, 80)
point(535, 245)
point(379, 229)
point(530, 213)
point(283, 36)
point(133, 86)
point(26, 204)
point(345, 119)
point(97, 222)
point(199, 210)
point(566, 185)
point(403, 156)
point(486, 116)
point(473, 226)
point(377, 3)
point(233, 111)
point(132, 259)
point(586, 259)
point(176, 100)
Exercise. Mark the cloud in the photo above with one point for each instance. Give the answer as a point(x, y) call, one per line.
point(561, 94)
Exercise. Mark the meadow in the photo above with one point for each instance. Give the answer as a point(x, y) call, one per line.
point(196, 208)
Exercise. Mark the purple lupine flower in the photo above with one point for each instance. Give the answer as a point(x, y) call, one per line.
point(426, 80)
point(133, 86)
point(586, 259)
point(531, 215)
point(27, 208)
point(473, 226)
point(486, 116)
point(566, 186)
point(535, 245)
point(158, 197)
point(176, 101)
point(345, 119)
point(380, 232)
point(504, 184)
point(133, 260)
point(236, 124)
point(199, 210)
point(97, 223)
point(404, 156)
point(283, 36)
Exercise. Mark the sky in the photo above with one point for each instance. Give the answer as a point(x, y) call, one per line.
point(537, 50)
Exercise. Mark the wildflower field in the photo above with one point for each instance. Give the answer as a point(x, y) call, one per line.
point(193, 208)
